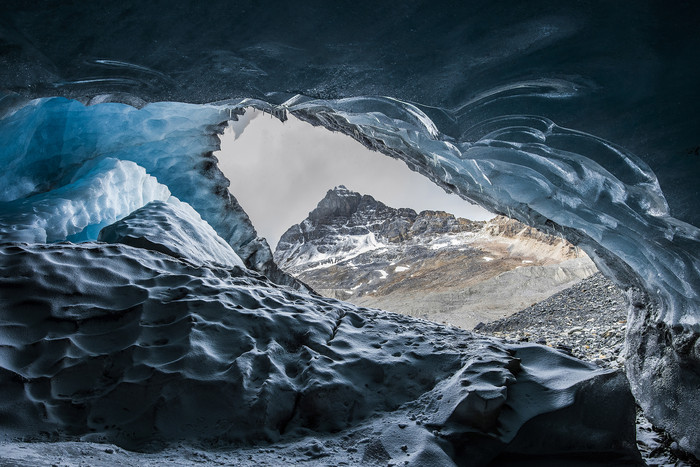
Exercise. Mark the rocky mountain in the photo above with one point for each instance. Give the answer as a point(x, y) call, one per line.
point(428, 264)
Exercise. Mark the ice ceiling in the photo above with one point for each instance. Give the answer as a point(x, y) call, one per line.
point(578, 118)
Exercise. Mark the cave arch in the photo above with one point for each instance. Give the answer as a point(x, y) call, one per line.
point(622, 222)
point(484, 89)
point(602, 199)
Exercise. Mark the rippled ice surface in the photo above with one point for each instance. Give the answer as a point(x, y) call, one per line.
point(164, 334)
point(113, 343)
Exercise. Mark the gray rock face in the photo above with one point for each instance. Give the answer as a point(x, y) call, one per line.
point(589, 321)
point(429, 264)
point(343, 214)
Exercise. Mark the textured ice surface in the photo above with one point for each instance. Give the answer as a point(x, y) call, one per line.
point(596, 194)
point(70, 170)
point(130, 345)
point(485, 93)
point(97, 196)
point(173, 228)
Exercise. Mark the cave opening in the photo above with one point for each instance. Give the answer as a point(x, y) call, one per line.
point(177, 147)
point(279, 171)
point(467, 268)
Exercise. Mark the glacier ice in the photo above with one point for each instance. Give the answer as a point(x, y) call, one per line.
point(580, 117)
point(596, 192)
point(77, 211)
point(173, 228)
point(55, 151)
point(140, 346)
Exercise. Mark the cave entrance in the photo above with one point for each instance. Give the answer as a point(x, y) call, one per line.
point(336, 206)
point(279, 171)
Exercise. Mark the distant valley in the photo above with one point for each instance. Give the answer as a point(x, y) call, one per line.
point(429, 264)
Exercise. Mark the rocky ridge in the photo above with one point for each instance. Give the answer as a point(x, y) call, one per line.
point(346, 222)
point(429, 264)
point(588, 321)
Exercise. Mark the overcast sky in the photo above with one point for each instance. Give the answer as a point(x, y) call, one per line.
point(280, 171)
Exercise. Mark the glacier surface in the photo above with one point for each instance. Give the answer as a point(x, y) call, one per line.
point(130, 345)
point(173, 228)
point(581, 120)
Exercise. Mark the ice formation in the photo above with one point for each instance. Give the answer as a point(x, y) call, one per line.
point(71, 170)
point(140, 346)
point(582, 121)
point(599, 196)
point(76, 211)
point(173, 228)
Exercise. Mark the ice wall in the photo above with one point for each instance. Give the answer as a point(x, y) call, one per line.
point(502, 85)
point(596, 194)
point(133, 346)
point(71, 169)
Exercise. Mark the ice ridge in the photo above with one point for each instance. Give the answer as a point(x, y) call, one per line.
point(72, 169)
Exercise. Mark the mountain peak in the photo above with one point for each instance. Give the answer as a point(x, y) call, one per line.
point(338, 202)
point(345, 221)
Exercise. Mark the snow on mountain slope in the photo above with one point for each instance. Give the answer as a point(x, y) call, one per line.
point(431, 265)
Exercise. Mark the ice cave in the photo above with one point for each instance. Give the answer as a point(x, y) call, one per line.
point(139, 307)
